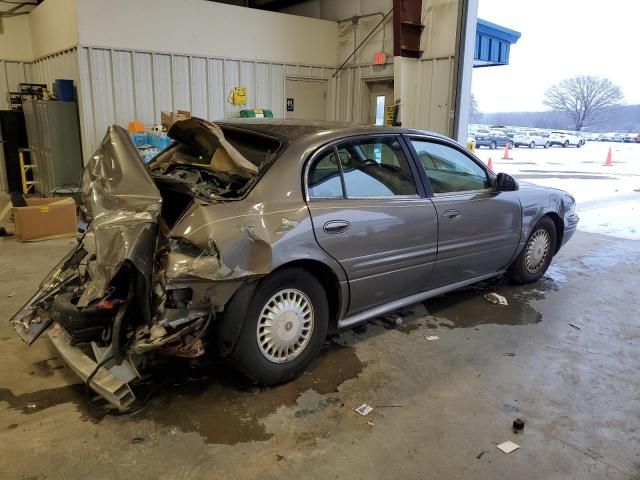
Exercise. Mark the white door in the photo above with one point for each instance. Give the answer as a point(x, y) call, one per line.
point(306, 99)
point(380, 97)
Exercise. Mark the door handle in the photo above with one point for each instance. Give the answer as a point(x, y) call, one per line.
point(336, 226)
point(451, 215)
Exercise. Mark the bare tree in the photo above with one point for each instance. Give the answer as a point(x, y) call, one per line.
point(583, 98)
point(474, 111)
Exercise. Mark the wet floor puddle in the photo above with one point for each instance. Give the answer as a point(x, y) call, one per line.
point(468, 308)
point(212, 401)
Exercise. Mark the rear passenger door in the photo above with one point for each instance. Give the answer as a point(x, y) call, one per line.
point(371, 215)
point(478, 227)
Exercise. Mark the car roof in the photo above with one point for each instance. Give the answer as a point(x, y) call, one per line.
point(310, 131)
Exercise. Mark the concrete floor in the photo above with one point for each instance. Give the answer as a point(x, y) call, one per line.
point(441, 406)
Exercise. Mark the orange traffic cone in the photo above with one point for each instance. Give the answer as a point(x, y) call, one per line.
point(490, 164)
point(609, 162)
point(506, 153)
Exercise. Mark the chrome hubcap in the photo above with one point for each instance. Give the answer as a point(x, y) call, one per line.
point(537, 251)
point(285, 325)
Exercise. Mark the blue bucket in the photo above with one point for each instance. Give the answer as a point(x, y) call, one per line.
point(64, 90)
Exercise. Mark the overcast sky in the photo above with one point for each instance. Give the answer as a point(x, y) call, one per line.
point(560, 39)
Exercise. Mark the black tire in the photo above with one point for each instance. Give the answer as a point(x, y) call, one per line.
point(248, 357)
point(83, 324)
point(65, 311)
point(565, 144)
point(493, 145)
point(532, 145)
point(519, 272)
point(579, 145)
point(510, 145)
point(547, 145)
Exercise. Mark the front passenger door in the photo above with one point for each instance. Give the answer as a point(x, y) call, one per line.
point(478, 227)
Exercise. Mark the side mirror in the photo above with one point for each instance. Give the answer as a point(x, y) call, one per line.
point(506, 183)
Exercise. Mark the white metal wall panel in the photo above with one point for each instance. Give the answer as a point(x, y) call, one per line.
point(102, 89)
point(143, 88)
point(125, 105)
point(277, 90)
point(181, 83)
point(199, 88)
point(85, 101)
point(162, 83)
point(231, 79)
point(436, 77)
point(248, 80)
point(120, 86)
point(263, 85)
point(217, 99)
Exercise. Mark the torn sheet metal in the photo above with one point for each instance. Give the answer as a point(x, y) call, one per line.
point(123, 204)
point(207, 139)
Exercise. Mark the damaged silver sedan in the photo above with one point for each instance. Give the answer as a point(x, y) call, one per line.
point(252, 239)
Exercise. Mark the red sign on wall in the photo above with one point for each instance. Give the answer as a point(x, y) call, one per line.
point(379, 58)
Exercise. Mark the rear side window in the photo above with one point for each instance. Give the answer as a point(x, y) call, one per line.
point(376, 168)
point(324, 177)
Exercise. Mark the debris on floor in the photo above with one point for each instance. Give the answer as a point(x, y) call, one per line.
point(137, 440)
point(370, 423)
point(509, 354)
point(496, 299)
point(31, 406)
point(575, 326)
point(431, 338)
point(364, 409)
point(508, 446)
point(518, 425)
point(360, 329)
point(11, 294)
point(479, 456)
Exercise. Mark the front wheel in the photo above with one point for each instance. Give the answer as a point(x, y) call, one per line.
point(284, 327)
point(532, 145)
point(579, 145)
point(493, 145)
point(565, 144)
point(546, 145)
point(536, 255)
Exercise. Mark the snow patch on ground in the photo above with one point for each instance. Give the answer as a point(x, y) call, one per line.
point(608, 197)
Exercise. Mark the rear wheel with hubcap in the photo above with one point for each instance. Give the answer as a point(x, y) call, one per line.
point(284, 327)
point(536, 255)
point(532, 145)
point(493, 145)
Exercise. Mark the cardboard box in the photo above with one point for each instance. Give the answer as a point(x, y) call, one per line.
point(167, 118)
point(45, 218)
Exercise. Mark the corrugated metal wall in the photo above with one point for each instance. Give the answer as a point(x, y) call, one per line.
point(435, 94)
point(118, 86)
point(44, 70)
point(11, 75)
point(348, 90)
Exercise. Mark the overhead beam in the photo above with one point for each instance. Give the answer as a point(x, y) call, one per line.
point(275, 5)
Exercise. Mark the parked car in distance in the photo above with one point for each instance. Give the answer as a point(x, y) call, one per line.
point(493, 139)
point(530, 139)
point(253, 239)
point(629, 137)
point(637, 139)
point(565, 139)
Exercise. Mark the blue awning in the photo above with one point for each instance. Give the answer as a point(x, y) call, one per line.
point(492, 44)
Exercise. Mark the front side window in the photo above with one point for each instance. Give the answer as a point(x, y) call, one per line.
point(324, 177)
point(449, 170)
point(376, 168)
